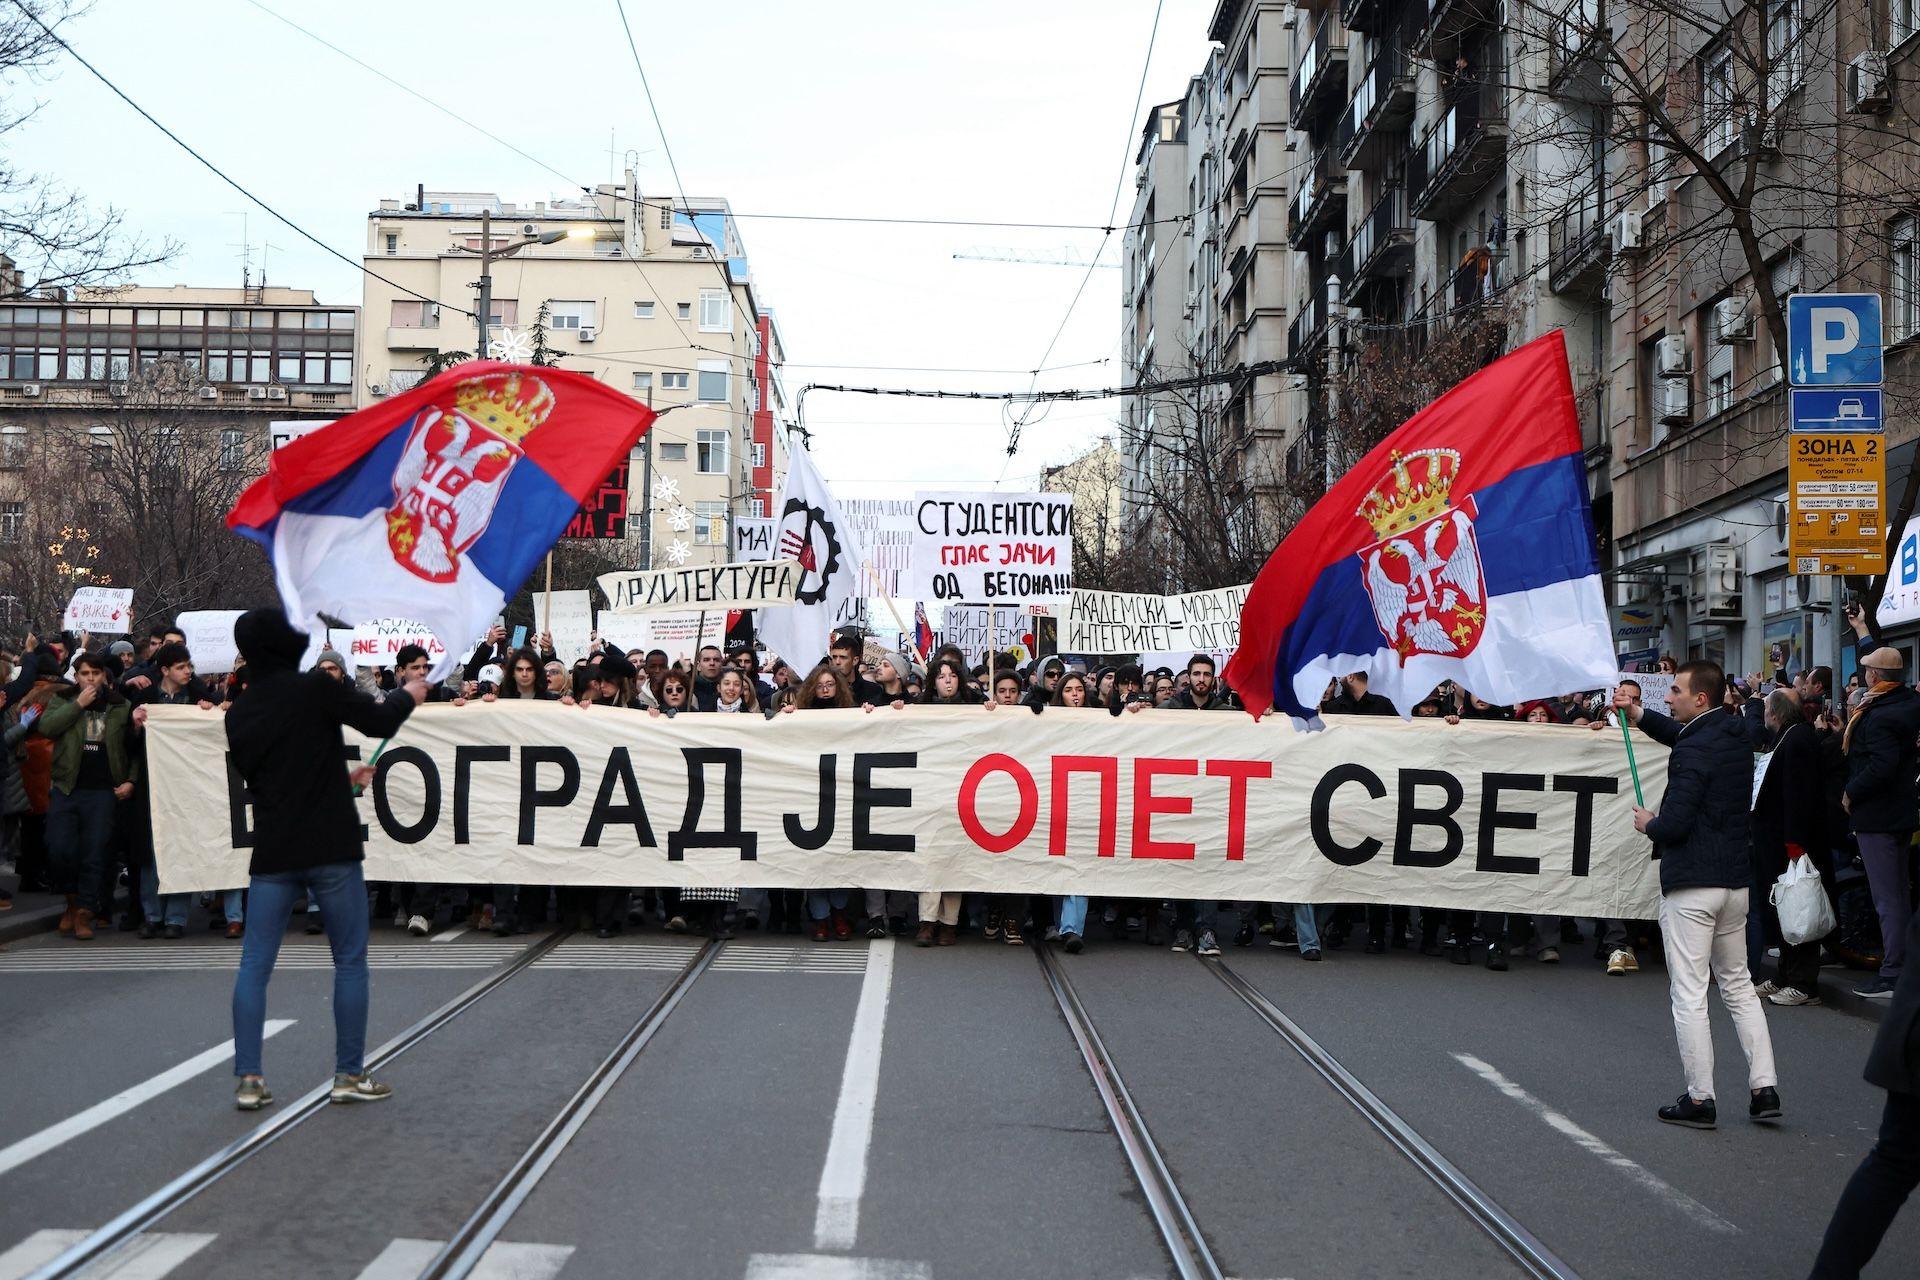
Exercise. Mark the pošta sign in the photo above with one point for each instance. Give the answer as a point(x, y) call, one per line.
point(762, 584)
point(992, 548)
point(1160, 804)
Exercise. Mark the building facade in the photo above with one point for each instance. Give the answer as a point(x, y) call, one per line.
point(652, 296)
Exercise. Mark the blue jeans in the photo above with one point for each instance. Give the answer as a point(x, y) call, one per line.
point(233, 901)
point(79, 830)
point(1073, 914)
point(1306, 925)
point(162, 908)
point(343, 910)
point(821, 902)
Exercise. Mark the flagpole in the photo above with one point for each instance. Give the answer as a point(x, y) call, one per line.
point(373, 760)
point(546, 601)
point(1626, 734)
point(890, 606)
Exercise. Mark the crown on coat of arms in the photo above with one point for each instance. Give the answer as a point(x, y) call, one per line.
point(1417, 488)
point(508, 404)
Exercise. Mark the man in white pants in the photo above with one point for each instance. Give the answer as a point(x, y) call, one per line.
point(1699, 835)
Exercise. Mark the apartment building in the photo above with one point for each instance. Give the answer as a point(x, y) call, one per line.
point(651, 295)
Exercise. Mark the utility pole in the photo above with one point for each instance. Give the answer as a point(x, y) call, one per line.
point(646, 490)
point(486, 281)
point(1336, 343)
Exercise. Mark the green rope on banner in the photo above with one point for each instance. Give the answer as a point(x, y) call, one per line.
point(1626, 734)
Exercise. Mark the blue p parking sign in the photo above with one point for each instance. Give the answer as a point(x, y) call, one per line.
point(1834, 340)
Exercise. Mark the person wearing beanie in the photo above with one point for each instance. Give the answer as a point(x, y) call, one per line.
point(284, 734)
point(122, 653)
point(331, 662)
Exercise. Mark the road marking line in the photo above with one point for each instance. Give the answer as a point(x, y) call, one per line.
point(404, 1259)
point(119, 1104)
point(828, 1266)
point(448, 934)
point(145, 1257)
point(1565, 1125)
point(836, 1223)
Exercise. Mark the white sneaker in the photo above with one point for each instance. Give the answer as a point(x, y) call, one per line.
point(1766, 989)
point(1789, 997)
point(418, 926)
point(1622, 961)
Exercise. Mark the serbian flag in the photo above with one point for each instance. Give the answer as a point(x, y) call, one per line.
point(922, 630)
point(436, 505)
point(1460, 548)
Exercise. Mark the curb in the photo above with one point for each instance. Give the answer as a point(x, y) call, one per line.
point(28, 922)
point(1838, 995)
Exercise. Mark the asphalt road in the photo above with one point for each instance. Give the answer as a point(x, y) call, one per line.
point(881, 1111)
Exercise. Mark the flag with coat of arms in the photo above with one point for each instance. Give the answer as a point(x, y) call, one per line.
point(1461, 548)
point(436, 505)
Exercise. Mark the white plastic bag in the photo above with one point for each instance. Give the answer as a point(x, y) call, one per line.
point(1801, 900)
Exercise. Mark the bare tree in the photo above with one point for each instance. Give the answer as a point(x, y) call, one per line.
point(55, 239)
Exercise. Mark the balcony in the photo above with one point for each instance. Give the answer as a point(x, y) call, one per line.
point(1370, 16)
point(1381, 107)
point(1448, 20)
point(414, 337)
point(1382, 245)
point(1319, 204)
point(1460, 153)
point(1309, 327)
point(1574, 57)
point(1320, 77)
point(1579, 247)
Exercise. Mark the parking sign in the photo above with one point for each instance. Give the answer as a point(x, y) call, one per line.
point(1834, 340)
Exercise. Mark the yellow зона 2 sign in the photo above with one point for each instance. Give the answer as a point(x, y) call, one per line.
point(1836, 500)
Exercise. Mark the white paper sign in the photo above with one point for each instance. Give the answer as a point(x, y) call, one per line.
point(1653, 687)
point(992, 548)
point(284, 433)
point(1108, 622)
point(752, 538)
point(102, 611)
point(1212, 618)
point(885, 529)
point(376, 643)
point(974, 627)
point(209, 634)
point(570, 623)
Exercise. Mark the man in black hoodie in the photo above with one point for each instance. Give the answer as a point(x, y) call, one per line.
point(284, 735)
point(1699, 835)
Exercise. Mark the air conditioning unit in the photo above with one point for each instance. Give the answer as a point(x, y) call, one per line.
point(699, 251)
point(1673, 401)
point(1733, 319)
point(376, 388)
point(209, 393)
point(528, 229)
point(1626, 231)
point(276, 392)
point(31, 390)
point(1869, 88)
point(1670, 356)
point(116, 388)
point(588, 333)
point(256, 393)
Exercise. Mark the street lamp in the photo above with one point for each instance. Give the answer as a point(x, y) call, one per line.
point(488, 253)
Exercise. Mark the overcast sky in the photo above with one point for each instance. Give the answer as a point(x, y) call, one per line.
point(990, 109)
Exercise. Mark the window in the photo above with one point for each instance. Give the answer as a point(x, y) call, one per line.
point(757, 508)
point(504, 311)
point(673, 453)
point(713, 380)
point(710, 523)
point(711, 449)
point(409, 313)
point(1904, 276)
point(684, 309)
point(1785, 51)
point(1717, 123)
point(1659, 171)
point(570, 315)
point(673, 382)
point(233, 449)
point(13, 521)
point(1903, 20)
point(759, 455)
point(393, 244)
point(715, 315)
point(1719, 371)
point(643, 381)
point(1783, 278)
point(643, 311)
point(100, 442)
point(13, 448)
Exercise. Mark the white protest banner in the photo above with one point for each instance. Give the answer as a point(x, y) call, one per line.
point(283, 433)
point(570, 622)
point(101, 611)
point(975, 628)
point(752, 538)
point(1163, 804)
point(885, 529)
point(680, 635)
point(625, 632)
point(378, 642)
point(1108, 622)
point(765, 584)
point(1212, 619)
point(990, 548)
point(209, 635)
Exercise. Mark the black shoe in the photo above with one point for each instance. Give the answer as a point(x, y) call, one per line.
point(1243, 937)
point(1765, 1105)
point(1497, 958)
point(313, 923)
point(1071, 942)
point(1376, 946)
point(1694, 1115)
point(1458, 954)
point(749, 922)
point(174, 932)
point(1309, 953)
point(605, 931)
point(149, 931)
point(1875, 989)
point(876, 926)
point(502, 927)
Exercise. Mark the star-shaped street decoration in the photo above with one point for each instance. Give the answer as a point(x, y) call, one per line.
point(680, 518)
point(678, 551)
point(666, 489)
point(515, 345)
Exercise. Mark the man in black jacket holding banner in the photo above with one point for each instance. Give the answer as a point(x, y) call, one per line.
point(1699, 835)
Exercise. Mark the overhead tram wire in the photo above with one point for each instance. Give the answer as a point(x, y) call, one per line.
point(1113, 206)
point(215, 169)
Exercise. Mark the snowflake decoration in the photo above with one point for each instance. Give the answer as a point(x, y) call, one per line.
point(678, 551)
point(515, 345)
point(680, 518)
point(666, 489)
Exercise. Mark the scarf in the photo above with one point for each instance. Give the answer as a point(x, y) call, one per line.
point(1877, 688)
point(735, 705)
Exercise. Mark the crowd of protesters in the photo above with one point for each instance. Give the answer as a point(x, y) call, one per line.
point(76, 801)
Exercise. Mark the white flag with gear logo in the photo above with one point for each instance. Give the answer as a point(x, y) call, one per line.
point(809, 527)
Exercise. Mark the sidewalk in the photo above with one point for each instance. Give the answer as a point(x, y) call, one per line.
point(32, 913)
